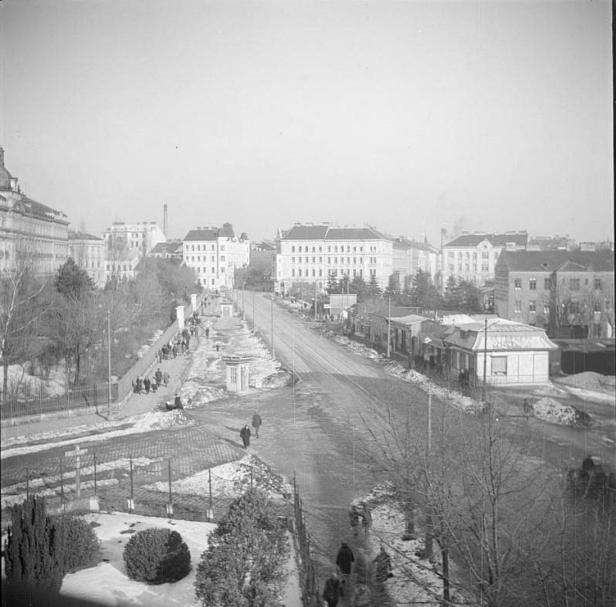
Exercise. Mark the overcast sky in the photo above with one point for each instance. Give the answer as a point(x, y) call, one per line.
point(409, 116)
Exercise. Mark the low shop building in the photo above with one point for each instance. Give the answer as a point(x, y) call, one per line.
point(515, 353)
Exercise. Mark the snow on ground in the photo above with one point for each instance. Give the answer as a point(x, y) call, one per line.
point(108, 584)
point(16, 493)
point(147, 422)
point(414, 579)
point(231, 480)
point(20, 382)
point(589, 380)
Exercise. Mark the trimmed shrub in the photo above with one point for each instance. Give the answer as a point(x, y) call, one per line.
point(157, 556)
point(81, 547)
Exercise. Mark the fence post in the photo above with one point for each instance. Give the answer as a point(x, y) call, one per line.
point(170, 504)
point(131, 503)
point(95, 492)
point(27, 483)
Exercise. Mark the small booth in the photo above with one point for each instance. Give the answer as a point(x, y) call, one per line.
point(226, 309)
point(237, 373)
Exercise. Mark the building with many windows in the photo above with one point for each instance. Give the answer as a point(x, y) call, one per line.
point(142, 236)
point(556, 289)
point(214, 254)
point(473, 257)
point(88, 252)
point(313, 254)
point(410, 256)
point(30, 232)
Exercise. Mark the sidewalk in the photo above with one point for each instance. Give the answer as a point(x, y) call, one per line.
point(134, 404)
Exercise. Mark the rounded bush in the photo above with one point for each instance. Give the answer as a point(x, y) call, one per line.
point(81, 548)
point(157, 556)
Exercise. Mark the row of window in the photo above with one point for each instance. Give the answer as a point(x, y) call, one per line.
point(329, 260)
point(574, 284)
point(371, 249)
point(532, 307)
point(484, 268)
point(212, 247)
point(485, 255)
point(198, 258)
point(203, 270)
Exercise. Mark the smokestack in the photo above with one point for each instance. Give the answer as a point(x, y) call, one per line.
point(165, 219)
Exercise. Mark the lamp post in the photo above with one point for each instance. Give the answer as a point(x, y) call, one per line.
point(272, 330)
point(388, 325)
point(485, 358)
point(108, 363)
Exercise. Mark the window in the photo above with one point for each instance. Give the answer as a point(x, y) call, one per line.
point(213, 270)
point(517, 283)
point(292, 259)
point(574, 284)
point(192, 247)
point(222, 270)
point(213, 281)
point(546, 310)
point(314, 259)
point(293, 249)
point(293, 272)
point(299, 272)
point(313, 249)
point(517, 306)
point(320, 272)
point(499, 365)
point(532, 284)
point(222, 247)
point(532, 306)
point(597, 284)
point(546, 284)
point(314, 272)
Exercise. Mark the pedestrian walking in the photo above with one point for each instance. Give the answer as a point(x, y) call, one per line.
point(245, 435)
point(256, 423)
point(344, 560)
point(158, 376)
point(332, 590)
point(366, 518)
point(147, 384)
point(354, 519)
point(207, 332)
point(166, 378)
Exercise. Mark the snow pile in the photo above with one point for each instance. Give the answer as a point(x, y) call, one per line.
point(24, 385)
point(356, 347)
point(589, 380)
point(160, 420)
point(280, 379)
point(231, 480)
point(555, 412)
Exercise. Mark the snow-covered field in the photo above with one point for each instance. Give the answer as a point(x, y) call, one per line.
point(21, 383)
point(108, 584)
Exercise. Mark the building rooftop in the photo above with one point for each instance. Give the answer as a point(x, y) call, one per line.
point(552, 261)
point(82, 236)
point(497, 240)
point(327, 232)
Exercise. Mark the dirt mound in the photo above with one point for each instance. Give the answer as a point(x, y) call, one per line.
point(555, 412)
point(589, 380)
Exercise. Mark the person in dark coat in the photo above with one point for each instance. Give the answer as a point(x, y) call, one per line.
point(256, 423)
point(178, 402)
point(331, 592)
point(245, 435)
point(146, 385)
point(158, 376)
point(344, 560)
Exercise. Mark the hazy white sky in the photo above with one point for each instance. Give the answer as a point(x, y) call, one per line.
point(410, 116)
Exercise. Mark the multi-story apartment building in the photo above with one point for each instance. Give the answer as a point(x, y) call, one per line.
point(172, 249)
point(473, 256)
point(142, 236)
point(31, 233)
point(310, 253)
point(88, 252)
point(557, 288)
point(215, 253)
point(410, 256)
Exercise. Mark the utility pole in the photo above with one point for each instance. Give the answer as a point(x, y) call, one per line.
point(388, 325)
point(243, 290)
point(109, 363)
point(272, 310)
point(485, 358)
point(253, 310)
point(315, 300)
point(429, 419)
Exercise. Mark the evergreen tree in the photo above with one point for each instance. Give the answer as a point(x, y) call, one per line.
point(33, 555)
point(469, 297)
point(72, 281)
point(393, 286)
point(358, 285)
point(373, 286)
point(423, 292)
point(332, 284)
point(452, 299)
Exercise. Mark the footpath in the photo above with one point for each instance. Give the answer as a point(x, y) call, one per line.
point(134, 404)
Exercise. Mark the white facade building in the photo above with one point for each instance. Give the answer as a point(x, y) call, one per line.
point(311, 253)
point(410, 256)
point(473, 257)
point(214, 254)
point(88, 252)
point(142, 236)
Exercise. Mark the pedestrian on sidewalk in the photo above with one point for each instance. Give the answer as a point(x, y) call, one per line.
point(158, 376)
point(344, 560)
point(166, 378)
point(147, 384)
point(366, 518)
point(332, 590)
point(245, 435)
point(354, 519)
point(256, 423)
point(207, 332)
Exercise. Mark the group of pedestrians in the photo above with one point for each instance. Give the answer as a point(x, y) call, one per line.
point(245, 432)
point(338, 584)
point(147, 385)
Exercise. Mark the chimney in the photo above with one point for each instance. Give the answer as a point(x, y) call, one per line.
point(13, 184)
point(165, 219)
